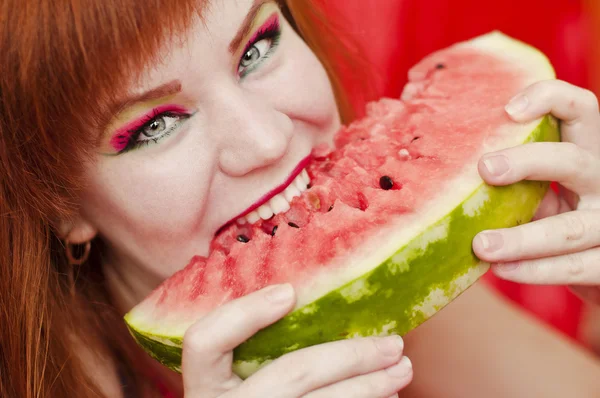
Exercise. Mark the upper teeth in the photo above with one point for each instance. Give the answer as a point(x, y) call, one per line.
point(279, 203)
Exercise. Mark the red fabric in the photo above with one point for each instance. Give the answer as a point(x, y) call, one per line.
point(395, 34)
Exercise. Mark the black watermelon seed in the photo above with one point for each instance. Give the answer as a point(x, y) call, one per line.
point(243, 238)
point(440, 66)
point(291, 224)
point(414, 139)
point(274, 230)
point(330, 208)
point(308, 186)
point(386, 183)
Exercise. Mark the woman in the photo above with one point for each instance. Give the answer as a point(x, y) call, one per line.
point(129, 133)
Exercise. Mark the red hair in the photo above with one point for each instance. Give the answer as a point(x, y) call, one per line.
point(61, 63)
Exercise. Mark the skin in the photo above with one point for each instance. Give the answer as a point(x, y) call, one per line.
point(569, 221)
point(157, 206)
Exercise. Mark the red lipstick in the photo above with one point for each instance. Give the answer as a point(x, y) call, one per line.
point(280, 188)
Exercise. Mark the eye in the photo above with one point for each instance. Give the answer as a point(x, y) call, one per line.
point(156, 128)
point(260, 47)
point(255, 53)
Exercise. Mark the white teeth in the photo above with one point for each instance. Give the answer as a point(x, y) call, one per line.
point(279, 204)
point(305, 177)
point(300, 184)
point(291, 192)
point(265, 212)
point(252, 217)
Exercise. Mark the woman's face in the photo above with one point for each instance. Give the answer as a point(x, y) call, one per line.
point(221, 120)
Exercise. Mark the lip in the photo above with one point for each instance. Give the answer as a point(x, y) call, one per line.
point(266, 197)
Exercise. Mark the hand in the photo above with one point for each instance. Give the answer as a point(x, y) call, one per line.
point(361, 367)
point(562, 244)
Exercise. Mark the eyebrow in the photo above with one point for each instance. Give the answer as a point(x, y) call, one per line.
point(169, 88)
point(174, 86)
point(247, 24)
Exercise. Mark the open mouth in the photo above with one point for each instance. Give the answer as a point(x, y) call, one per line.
point(277, 200)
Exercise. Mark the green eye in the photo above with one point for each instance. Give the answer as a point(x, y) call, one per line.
point(251, 56)
point(156, 127)
point(255, 55)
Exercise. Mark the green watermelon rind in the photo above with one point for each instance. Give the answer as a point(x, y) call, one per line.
point(401, 293)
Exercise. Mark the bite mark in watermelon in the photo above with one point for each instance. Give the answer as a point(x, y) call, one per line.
point(369, 256)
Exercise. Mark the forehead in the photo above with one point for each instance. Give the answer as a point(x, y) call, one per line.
point(202, 49)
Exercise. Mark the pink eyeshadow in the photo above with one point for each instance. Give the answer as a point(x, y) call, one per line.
point(121, 137)
point(272, 21)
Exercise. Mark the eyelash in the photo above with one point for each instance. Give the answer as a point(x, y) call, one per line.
point(270, 32)
point(134, 134)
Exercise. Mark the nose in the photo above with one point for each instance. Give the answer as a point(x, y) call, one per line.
point(252, 133)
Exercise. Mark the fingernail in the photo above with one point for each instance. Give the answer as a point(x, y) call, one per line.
point(280, 293)
point(506, 267)
point(517, 105)
point(401, 369)
point(490, 241)
point(496, 165)
point(391, 345)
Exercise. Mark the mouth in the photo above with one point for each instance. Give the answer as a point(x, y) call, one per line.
point(278, 199)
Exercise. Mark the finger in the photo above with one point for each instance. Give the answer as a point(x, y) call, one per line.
point(581, 268)
point(549, 206)
point(208, 344)
point(378, 384)
point(305, 370)
point(570, 165)
point(576, 107)
point(552, 204)
point(562, 234)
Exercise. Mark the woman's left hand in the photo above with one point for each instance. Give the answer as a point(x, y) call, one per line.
point(562, 244)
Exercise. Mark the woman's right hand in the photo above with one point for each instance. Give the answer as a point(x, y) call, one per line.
point(371, 367)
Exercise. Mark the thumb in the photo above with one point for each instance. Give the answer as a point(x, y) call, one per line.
point(208, 344)
point(551, 205)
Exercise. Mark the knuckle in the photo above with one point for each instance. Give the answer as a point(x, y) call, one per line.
point(579, 158)
point(575, 266)
point(295, 370)
point(573, 227)
point(354, 352)
point(589, 100)
point(377, 384)
point(545, 89)
point(194, 339)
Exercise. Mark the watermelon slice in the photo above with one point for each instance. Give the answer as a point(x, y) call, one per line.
point(380, 239)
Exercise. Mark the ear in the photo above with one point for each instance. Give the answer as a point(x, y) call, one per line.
point(77, 230)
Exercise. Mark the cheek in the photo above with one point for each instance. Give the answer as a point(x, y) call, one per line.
point(299, 87)
point(155, 203)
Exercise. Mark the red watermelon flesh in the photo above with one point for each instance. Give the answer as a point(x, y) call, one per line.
point(391, 176)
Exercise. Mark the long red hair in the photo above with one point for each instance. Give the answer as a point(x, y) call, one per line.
point(61, 63)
